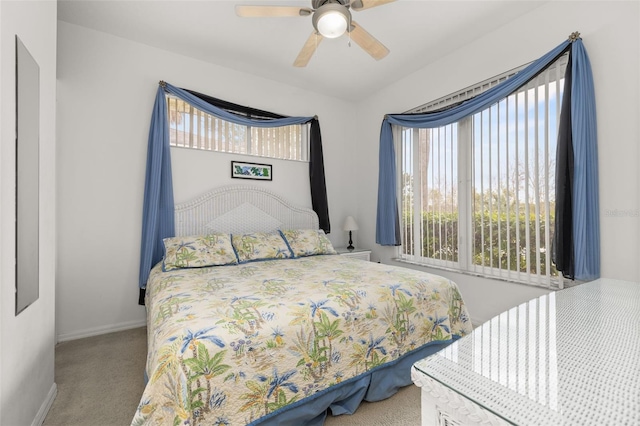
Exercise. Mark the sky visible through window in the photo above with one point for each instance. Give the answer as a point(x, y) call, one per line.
point(498, 148)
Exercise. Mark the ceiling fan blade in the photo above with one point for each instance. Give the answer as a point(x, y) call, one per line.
point(308, 50)
point(368, 42)
point(271, 11)
point(368, 4)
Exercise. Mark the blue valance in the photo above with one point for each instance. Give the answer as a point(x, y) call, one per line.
point(158, 204)
point(584, 218)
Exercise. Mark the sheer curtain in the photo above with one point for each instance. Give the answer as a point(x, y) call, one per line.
point(582, 252)
point(158, 207)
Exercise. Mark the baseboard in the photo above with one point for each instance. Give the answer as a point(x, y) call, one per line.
point(46, 406)
point(90, 332)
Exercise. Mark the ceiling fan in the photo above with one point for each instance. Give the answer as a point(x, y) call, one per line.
point(330, 18)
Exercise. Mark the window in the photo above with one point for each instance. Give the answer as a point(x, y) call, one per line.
point(479, 195)
point(192, 128)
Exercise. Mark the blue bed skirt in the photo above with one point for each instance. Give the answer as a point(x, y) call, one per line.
point(375, 385)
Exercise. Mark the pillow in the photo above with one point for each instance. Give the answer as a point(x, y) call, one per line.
point(260, 246)
point(308, 242)
point(198, 251)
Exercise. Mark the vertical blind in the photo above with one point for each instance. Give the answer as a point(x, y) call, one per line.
point(513, 181)
point(499, 220)
point(190, 127)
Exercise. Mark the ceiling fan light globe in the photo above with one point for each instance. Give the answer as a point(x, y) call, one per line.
point(332, 25)
point(331, 20)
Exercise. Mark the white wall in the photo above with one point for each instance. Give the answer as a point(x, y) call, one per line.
point(27, 341)
point(106, 90)
point(611, 36)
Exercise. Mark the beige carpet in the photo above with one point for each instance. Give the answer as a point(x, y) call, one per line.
point(100, 382)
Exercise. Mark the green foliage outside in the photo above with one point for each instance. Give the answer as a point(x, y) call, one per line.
point(510, 252)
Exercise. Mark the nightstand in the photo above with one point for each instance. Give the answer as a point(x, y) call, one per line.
point(356, 253)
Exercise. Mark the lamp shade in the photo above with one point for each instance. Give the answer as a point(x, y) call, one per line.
point(331, 20)
point(350, 224)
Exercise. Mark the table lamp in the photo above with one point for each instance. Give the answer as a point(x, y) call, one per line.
point(350, 225)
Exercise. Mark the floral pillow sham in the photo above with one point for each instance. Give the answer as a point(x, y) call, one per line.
point(198, 251)
point(260, 246)
point(308, 242)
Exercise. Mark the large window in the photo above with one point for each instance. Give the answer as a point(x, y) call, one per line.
point(479, 195)
point(192, 128)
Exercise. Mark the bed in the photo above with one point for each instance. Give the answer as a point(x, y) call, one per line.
point(286, 333)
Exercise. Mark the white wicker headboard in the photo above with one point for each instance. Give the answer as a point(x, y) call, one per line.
point(239, 209)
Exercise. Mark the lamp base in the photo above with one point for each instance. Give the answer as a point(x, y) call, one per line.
point(350, 247)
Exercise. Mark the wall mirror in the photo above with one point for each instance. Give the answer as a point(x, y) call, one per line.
point(27, 177)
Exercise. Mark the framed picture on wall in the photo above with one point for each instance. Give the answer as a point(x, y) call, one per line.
point(241, 170)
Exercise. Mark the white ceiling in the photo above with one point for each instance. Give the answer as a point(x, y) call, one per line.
point(417, 32)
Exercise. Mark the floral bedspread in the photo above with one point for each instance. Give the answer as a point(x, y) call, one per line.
point(230, 344)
